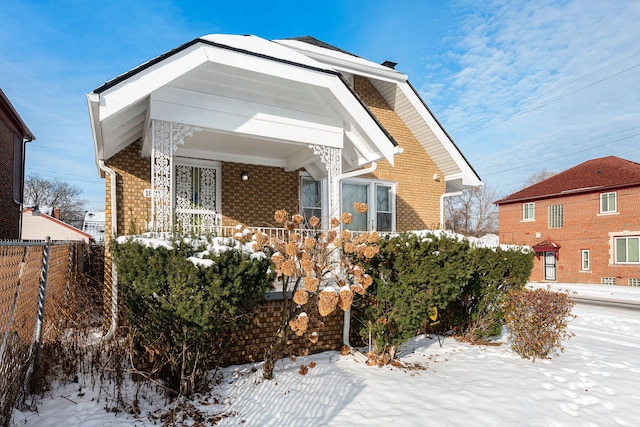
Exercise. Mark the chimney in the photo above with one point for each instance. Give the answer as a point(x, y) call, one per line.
point(56, 213)
point(390, 64)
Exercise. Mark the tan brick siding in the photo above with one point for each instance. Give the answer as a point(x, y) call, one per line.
point(584, 228)
point(417, 194)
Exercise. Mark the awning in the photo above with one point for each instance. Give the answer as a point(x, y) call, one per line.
point(546, 246)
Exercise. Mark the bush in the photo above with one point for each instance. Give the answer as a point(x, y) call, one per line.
point(496, 271)
point(413, 273)
point(537, 321)
point(181, 315)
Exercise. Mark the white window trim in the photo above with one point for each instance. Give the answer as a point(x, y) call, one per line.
point(371, 194)
point(582, 252)
point(616, 201)
point(614, 249)
point(533, 218)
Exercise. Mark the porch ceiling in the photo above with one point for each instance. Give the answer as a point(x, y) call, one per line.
point(251, 109)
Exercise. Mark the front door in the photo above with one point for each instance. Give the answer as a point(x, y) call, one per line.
point(197, 198)
point(549, 266)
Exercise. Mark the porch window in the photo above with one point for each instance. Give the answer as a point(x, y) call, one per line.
point(380, 198)
point(528, 211)
point(608, 203)
point(586, 260)
point(556, 216)
point(311, 198)
point(627, 250)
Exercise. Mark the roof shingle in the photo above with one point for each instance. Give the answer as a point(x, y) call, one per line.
point(593, 175)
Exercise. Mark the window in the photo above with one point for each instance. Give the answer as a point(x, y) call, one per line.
point(528, 211)
point(379, 197)
point(608, 202)
point(556, 216)
point(626, 249)
point(586, 260)
point(311, 198)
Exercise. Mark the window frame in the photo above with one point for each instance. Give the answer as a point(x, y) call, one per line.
point(372, 213)
point(303, 208)
point(585, 261)
point(616, 260)
point(525, 209)
point(615, 202)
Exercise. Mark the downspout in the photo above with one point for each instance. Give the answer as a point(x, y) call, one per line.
point(23, 160)
point(114, 232)
point(442, 196)
point(346, 324)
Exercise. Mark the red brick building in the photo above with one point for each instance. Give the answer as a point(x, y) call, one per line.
point(583, 223)
point(13, 136)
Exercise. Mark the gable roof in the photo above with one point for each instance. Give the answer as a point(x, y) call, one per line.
point(37, 227)
point(600, 174)
point(13, 119)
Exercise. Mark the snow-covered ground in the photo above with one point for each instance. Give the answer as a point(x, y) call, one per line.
point(595, 382)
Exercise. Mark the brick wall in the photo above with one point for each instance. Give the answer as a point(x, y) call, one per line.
point(253, 202)
point(9, 211)
point(417, 194)
point(584, 229)
point(250, 344)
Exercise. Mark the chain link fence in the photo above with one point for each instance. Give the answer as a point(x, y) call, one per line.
point(37, 290)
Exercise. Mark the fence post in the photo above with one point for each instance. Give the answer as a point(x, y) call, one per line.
point(42, 293)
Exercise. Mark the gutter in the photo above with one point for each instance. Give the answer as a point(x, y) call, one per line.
point(114, 231)
point(442, 197)
point(346, 324)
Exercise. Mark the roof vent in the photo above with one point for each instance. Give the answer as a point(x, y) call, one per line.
point(390, 64)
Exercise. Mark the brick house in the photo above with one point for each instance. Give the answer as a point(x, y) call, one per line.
point(583, 223)
point(14, 134)
point(226, 129)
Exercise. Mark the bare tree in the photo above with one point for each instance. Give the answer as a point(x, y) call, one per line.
point(473, 213)
point(56, 194)
point(536, 177)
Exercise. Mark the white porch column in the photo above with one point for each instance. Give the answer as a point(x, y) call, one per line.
point(165, 138)
point(331, 157)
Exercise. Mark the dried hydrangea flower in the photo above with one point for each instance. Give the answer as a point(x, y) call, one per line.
point(277, 259)
point(345, 298)
point(345, 235)
point(337, 242)
point(370, 251)
point(297, 219)
point(307, 265)
point(289, 268)
point(350, 248)
point(360, 207)
point(314, 221)
point(311, 283)
point(335, 222)
point(313, 337)
point(358, 289)
point(331, 234)
point(373, 237)
point(292, 249)
point(309, 243)
point(328, 301)
point(301, 297)
point(346, 218)
point(281, 216)
point(303, 321)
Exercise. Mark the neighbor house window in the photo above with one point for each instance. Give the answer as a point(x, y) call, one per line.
point(528, 211)
point(380, 198)
point(627, 250)
point(311, 198)
point(608, 203)
point(556, 216)
point(586, 260)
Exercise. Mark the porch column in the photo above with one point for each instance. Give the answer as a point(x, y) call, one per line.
point(165, 138)
point(331, 157)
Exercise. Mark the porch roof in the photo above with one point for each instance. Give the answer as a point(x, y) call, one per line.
point(257, 102)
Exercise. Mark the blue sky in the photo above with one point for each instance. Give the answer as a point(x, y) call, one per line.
point(520, 86)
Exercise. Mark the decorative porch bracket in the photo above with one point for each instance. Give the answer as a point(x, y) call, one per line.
point(165, 138)
point(332, 159)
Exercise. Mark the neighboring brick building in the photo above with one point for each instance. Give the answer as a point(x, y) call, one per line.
point(583, 223)
point(13, 136)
